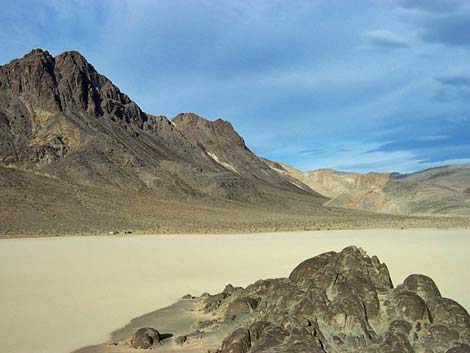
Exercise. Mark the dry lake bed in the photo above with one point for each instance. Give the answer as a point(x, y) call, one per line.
point(58, 294)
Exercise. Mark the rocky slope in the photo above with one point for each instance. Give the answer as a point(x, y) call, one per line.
point(443, 190)
point(332, 303)
point(64, 124)
point(62, 118)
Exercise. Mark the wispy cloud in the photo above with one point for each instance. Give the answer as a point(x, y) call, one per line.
point(433, 138)
point(453, 87)
point(445, 22)
point(462, 80)
point(354, 156)
point(385, 40)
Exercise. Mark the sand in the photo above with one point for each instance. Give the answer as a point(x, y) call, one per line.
point(59, 294)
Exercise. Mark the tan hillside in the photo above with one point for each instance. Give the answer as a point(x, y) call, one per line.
point(434, 191)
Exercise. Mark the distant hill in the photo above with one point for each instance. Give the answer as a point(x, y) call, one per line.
point(438, 191)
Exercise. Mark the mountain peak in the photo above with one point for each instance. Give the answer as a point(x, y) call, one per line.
point(45, 85)
point(72, 53)
point(189, 117)
point(74, 58)
point(218, 130)
point(36, 57)
point(37, 52)
point(192, 118)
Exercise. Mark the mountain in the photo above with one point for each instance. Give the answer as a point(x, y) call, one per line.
point(75, 149)
point(79, 156)
point(443, 190)
point(59, 116)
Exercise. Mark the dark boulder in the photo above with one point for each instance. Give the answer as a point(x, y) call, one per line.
point(240, 306)
point(400, 326)
point(212, 302)
point(312, 272)
point(408, 306)
point(423, 286)
point(441, 337)
point(257, 329)
point(451, 314)
point(238, 342)
point(145, 338)
point(394, 342)
point(181, 340)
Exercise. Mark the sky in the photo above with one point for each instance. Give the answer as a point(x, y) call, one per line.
point(366, 85)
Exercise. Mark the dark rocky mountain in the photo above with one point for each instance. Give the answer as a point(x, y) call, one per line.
point(79, 141)
point(59, 116)
point(336, 302)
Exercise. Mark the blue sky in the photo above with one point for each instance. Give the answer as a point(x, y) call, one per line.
point(379, 85)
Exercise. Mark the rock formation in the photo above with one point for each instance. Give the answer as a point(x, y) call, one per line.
point(342, 302)
point(336, 302)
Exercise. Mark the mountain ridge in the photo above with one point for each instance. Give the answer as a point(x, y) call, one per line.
point(70, 139)
point(78, 155)
point(62, 94)
point(438, 190)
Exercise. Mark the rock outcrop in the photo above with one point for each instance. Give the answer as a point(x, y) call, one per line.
point(336, 302)
point(341, 302)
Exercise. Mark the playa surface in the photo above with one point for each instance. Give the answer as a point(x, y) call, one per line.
point(59, 294)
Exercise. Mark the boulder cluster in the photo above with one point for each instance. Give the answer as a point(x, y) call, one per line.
point(341, 302)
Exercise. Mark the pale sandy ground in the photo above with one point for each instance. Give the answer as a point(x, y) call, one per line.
point(58, 294)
